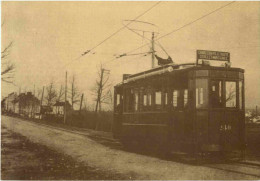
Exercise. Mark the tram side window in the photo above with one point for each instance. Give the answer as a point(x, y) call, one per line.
point(175, 95)
point(201, 93)
point(136, 101)
point(216, 93)
point(165, 98)
point(158, 98)
point(185, 98)
point(145, 100)
point(117, 99)
point(231, 94)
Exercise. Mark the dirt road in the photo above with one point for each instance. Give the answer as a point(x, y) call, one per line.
point(132, 166)
point(23, 160)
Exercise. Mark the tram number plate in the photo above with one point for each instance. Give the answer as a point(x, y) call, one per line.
point(213, 55)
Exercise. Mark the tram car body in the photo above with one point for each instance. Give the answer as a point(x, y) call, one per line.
point(190, 108)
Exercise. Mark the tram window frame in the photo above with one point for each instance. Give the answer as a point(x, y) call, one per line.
point(166, 102)
point(118, 99)
point(185, 98)
point(213, 99)
point(201, 93)
point(175, 98)
point(240, 93)
point(235, 105)
point(129, 100)
point(136, 101)
point(145, 97)
point(158, 93)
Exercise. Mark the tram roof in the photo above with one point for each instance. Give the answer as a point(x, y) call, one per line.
point(174, 68)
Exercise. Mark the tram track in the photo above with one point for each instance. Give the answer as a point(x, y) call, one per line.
point(240, 167)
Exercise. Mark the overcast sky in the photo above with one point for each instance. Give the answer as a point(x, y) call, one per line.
point(50, 36)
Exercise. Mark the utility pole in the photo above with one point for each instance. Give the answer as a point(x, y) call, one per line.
point(72, 92)
point(81, 102)
point(65, 103)
point(256, 110)
point(99, 89)
point(33, 101)
point(152, 49)
point(42, 100)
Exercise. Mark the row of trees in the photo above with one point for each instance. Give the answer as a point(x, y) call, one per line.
point(101, 90)
point(54, 93)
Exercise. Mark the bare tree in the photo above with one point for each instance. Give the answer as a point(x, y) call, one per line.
point(74, 93)
point(102, 89)
point(61, 92)
point(51, 94)
point(7, 66)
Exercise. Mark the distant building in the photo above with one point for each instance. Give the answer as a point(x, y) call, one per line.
point(59, 107)
point(9, 103)
point(26, 104)
point(3, 105)
point(46, 109)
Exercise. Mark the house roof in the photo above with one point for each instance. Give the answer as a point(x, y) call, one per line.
point(58, 103)
point(26, 97)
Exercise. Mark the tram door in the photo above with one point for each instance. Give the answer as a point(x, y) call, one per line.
point(225, 117)
point(118, 110)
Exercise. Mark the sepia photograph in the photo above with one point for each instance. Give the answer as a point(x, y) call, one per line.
point(130, 90)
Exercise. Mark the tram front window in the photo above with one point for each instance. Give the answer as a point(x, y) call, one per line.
point(201, 93)
point(231, 94)
point(216, 94)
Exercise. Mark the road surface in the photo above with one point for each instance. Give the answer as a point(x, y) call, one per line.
point(131, 165)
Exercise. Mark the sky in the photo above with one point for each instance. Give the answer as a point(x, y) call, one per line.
point(50, 37)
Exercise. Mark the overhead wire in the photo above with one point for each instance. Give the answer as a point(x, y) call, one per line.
point(113, 34)
point(178, 29)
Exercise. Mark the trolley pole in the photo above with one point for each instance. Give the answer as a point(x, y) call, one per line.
point(152, 49)
point(65, 103)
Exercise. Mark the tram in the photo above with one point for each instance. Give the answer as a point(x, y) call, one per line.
point(193, 108)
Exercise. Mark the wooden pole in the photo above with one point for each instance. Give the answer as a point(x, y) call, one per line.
point(99, 89)
point(72, 92)
point(42, 100)
point(34, 101)
point(65, 103)
point(81, 102)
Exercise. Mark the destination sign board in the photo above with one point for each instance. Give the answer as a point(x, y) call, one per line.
point(213, 55)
